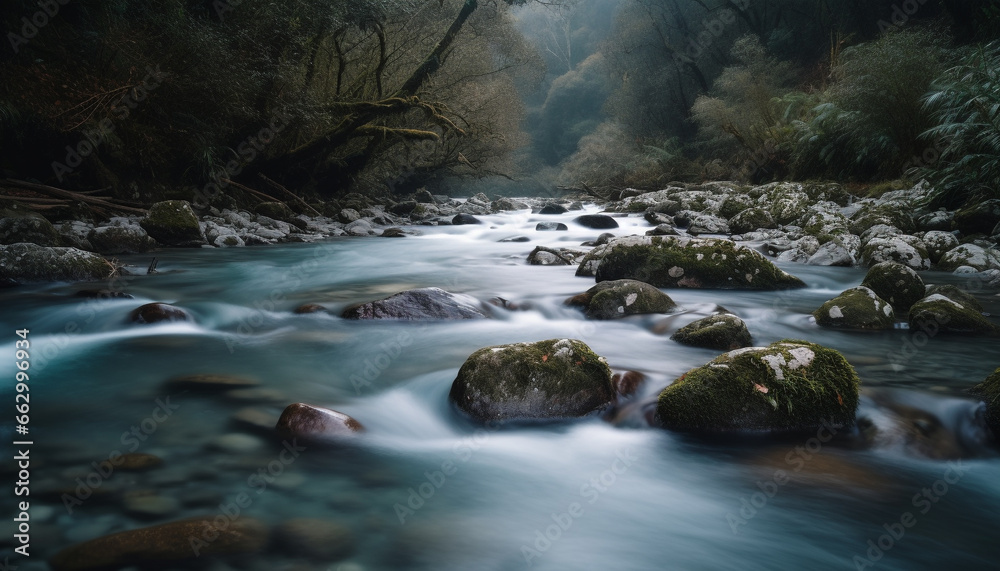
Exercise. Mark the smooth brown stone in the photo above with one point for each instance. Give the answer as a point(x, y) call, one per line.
point(628, 382)
point(212, 383)
point(157, 312)
point(164, 543)
point(307, 421)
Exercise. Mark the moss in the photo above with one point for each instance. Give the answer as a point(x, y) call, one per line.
point(620, 298)
point(734, 204)
point(989, 391)
point(788, 385)
point(19, 225)
point(857, 308)
point(22, 263)
point(956, 294)
point(751, 219)
point(898, 284)
point(173, 223)
point(120, 240)
point(556, 378)
point(888, 215)
point(939, 313)
point(275, 210)
point(671, 262)
point(723, 332)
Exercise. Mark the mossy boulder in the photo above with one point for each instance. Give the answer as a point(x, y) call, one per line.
point(723, 332)
point(956, 294)
point(898, 284)
point(751, 219)
point(552, 379)
point(277, 211)
point(788, 385)
point(173, 223)
point(19, 225)
point(734, 204)
point(939, 243)
point(679, 262)
point(169, 543)
point(978, 218)
point(26, 263)
point(463, 219)
point(429, 303)
point(939, 313)
point(901, 248)
point(869, 216)
point(120, 240)
point(856, 308)
point(989, 391)
point(553, 209)
point(970, 255)
point(596, 221)
point(620, 298)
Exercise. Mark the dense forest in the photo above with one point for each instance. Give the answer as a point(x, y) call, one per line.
point(183, 98)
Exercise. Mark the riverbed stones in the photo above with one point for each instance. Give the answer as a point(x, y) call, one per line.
point(723, 332)
point(316, 423)
point(621, 298)
point(173, 223)
point(419, 304)
point(957, 294)
point(307, 308)
point(970, 255)
point(896, 283)
point(544, 380)
point(856, 308)
point(27, 263)
point(542, 256)
point(169, 543)
point(596, 221)
point(210, 383)
point(124, 239)
point(553, 209)
point(751, 219)
point(461, 219)
point(315, 539)
point(551, 227)
point(788, 385)
point(20, 225)
point(989, 391)
point(158, 313)
point(679, 262)
point(939, 243)
point(940, 313)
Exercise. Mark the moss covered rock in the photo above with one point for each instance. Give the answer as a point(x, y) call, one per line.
point(734, 204)
point(557, 378)
point(869, 216)
point(26, 263)
point(619, 298)
point(956, 294)
point(723, 332)
point(596, 221)
point(898, 284)
point(939, 313)
point(158, 313)
point(542, 256)
point(856, 308)
point(989, 391)
point(939, 243)
point(276, 211)
point(120, 240)
point(19, 225)
point(901, 248)
point(751, 219)
point(173, 223)
point(788, 385)
point(679, 262)
point(970, 255)
point(429, 303)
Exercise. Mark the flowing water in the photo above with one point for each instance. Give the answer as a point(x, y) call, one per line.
point(426, 489)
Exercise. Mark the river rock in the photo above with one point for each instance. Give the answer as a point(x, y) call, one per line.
point(557, 378)
point(360, 227)
point(307, 308)
point(788, 385)
point(131, 239)
point(542, 256)
point(132, 462)
point(940, 220)
point(300, 420)
point(939, 313)
point(552, 209)
point(551, 227)
point(419, 304)
point(596, 221)
point(315, 539)
point(901, 248)
point(970, 255)
point(833, 253)
point(895, 283)
point(868, 216)
point(620, 298)
point(505, 204)
point(157, 312)
point(26, 263)
point(147, 504)
point(856, 308)
point(210, 383)
point(956, 294)
point(627, 383)
point(733, 204)
point(980, 217)
point(173, 223)
point(989, 391)
point(751, 219)
point(707, 224)
point(19, 225)
point(723, 332)
point(663, 230)
point(348, 215)
point(166, 543)
point(461, 219)
point(679, 262)
point(103, 294)
point(939, 243)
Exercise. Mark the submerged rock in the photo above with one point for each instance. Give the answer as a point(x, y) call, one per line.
point(557, 378)
point(551, 227)
point(157, 312)
point(856, 308)
point(26, 263)
point(620, 298)
point(419, 304)
point(939, 313)
point(898, 284)
point(677, 262)
point(553, 209)
point(316, 539)
point(628, 383)
point(596, 221)
point(542, 256)
point(723, 332)
point(173, 223)
point(989, 391)
point(788, 385)
point(207, 383)
point(315, 423)
point(167, 543)
point(309, 308)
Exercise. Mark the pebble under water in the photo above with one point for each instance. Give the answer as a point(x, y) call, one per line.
point(424, 488)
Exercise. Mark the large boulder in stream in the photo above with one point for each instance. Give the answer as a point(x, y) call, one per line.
point(856, 308)
point(19, 225)
point(157, 313)
point(553, 379)
point(788, 385)
point(898, 284)
point(25, 263)
point(168, 543)
point(173, 223)
point(722, 332)
point(429, 303)
point(937, 312)
point(682, 262)
point(596, 221)
point(620, 298)
point(989, 391)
